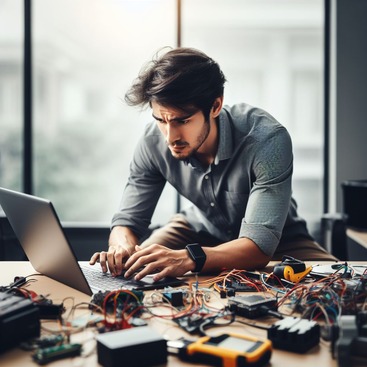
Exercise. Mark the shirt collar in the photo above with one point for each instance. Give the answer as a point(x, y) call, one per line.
point(225, 146)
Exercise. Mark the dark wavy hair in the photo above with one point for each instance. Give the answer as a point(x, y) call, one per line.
point(183, 78)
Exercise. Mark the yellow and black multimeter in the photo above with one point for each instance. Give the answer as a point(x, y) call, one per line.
point(225, 350)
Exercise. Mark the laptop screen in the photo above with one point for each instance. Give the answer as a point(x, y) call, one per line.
point(37, 226)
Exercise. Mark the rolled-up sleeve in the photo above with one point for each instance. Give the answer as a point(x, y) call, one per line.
point(270, 195)
point(142, 191)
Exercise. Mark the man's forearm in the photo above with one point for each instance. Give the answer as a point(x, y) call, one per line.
point(241, 253)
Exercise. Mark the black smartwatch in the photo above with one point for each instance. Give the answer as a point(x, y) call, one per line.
point(198, 255)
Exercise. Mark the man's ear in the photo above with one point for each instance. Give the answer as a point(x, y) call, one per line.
point(217, 106)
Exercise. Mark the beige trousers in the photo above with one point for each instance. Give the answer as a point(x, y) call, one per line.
point(177, 233)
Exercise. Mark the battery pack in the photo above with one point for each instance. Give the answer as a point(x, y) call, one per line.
point(19, 320)
point(136, 347)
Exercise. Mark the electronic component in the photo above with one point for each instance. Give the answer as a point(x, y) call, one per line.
point(136, 347)
point(18, 281)
point(231, 292)
point(85, 320)
point(190, 323)
point(294, 334)
point(19, 320)
point(238, 281)
point(50, 311)
point(351, 346)
point(118, 304)
point(45, 341)
point(97, 299)
point(175, 298)
point(47, 355)
point(241, 287)
point(291, 269)
point(252, 306)
point(226, 350)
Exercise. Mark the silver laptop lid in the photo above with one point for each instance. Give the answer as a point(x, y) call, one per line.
point(39, 231)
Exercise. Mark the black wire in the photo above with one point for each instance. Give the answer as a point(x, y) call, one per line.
point(275, 314)
point(18, 282)
point(210, 322)
point(253, 324)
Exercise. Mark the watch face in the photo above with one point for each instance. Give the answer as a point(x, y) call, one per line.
point(198, 255)
point(197, 251)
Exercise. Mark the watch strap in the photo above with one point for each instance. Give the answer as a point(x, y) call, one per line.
point(198, 255)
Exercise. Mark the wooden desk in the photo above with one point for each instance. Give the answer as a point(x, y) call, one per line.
point(356, 244)
point(317, 356)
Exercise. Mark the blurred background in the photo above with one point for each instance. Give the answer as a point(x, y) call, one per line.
point(86, 53)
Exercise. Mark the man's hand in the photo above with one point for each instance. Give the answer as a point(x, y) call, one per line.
point(122, 244)
point(112, 260)
point(160, 261)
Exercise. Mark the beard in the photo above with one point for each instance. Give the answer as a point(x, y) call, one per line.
point(182, 150)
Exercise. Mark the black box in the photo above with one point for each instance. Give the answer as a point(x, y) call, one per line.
point(19, 320)
point(252, 306)
point(136, 347)
point(355, 203)
point(294, 334)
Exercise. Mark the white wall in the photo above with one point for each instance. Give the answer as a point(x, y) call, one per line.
point(348, 98)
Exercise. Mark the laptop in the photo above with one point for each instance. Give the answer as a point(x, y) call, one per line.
point(39, 231)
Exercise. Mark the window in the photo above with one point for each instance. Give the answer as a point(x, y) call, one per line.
point(85, 56)
point(11, 59)
point(272, 55)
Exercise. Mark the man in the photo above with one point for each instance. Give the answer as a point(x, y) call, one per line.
point(233, 163)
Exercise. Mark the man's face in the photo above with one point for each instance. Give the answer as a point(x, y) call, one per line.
point(185, 134)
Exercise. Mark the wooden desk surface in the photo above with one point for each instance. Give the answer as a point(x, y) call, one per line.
point(317, 356)
point(358, 236)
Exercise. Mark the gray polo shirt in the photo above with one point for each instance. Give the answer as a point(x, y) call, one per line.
point(245, 192)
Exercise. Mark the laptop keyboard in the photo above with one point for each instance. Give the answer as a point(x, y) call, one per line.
point(98, 280)
point(104, 281)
